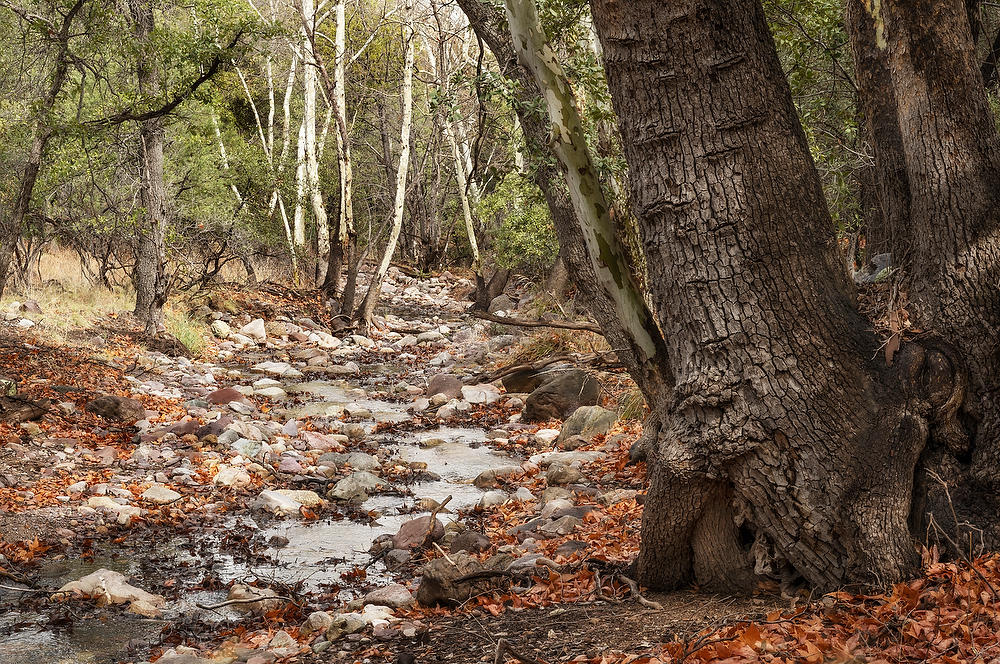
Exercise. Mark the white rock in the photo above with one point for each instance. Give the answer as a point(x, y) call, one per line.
point(255, 329)
point(546, 436)
point(160, 495)
point(123, 513)
point(221, 329)
point(109, 587)
point(485, 393)
point(234, 477)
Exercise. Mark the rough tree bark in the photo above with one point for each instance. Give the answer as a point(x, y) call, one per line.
point(789, 446)
point(44, 128)
point(149, 274)
point(951, 150)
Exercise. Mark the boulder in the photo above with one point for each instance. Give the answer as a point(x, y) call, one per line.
point(160, 495)
point(277, 503)
point(481, 394)
point(588, 421)
point(560, 396)
point(446, 384)
point(221, 329)
point(561, 475)
point(234, 477)
point(502, 302)
point(317, 623)
point(224, 395)
point(120, 409)
point(439, 580)
point(412, 533)
point(470, 541)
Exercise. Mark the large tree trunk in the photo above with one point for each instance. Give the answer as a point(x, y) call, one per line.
point(787, 447)
point(951, 150)
point(14, 223)
point(149, 273)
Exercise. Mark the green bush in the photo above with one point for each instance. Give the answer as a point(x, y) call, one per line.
point(518, 220)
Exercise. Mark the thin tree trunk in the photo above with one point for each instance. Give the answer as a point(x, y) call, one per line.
point(367, 309)
point(311, 150)
point(149, 273)
point(44, 129)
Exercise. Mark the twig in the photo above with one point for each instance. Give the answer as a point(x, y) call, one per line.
point(34, 590)
point(433, 520)
point(634, 587)
point(212, 607)
point(446, 556)
point(505, 648)
point(524, 322)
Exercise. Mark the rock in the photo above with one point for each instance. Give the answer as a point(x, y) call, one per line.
point(481, 394)
point(221, 329)
point(254, 329)
point(345, 623)
point(560, 396)
point(303, 497)
point(271, 393)
point(362, 461)
point(412, 533)
point(587, 422)
point(546, 436)
point(277, 503)
point(470, 541)
point(561, 526)
point(555, 505)
point(278, 369)
point(525, 380)
point(488, 479)
point(438, 580)
point(502, 302)
point(447, 384)
point(561, 475)
point(109, 587)
point(571, 443)
point(430, 336)
point(356, 486)
point(317, 622)
point(523, 494)
point(493, 498)
point(224, 395)
point(323, 442)
point(395, 596)
point(233, 477)
point(247, 448)
point(283, 640)
point(160, 495)
point(263, 596)
point(547, 459)
point(120, 409)
point(123, 513)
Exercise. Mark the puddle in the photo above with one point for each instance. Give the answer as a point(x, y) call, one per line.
point(85, 641)
point(337, 395)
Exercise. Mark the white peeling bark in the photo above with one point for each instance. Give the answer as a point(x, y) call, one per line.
point(569, 143)
point(371, 297)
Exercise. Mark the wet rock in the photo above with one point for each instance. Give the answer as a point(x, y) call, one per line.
point(255, 329)
point(395, 596)
point(232, 477)
point(470, 541)
point(109, 587)
point(587, 422)
point(356, 486)
point(120, 409)
point(412, 533)
point(447, 384)
point(560, 396)
point(439, 580)
point(160, 495)
point(561, 475)
point(278, 369)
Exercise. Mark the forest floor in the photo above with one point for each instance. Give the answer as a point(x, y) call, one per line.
point(292, 495)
